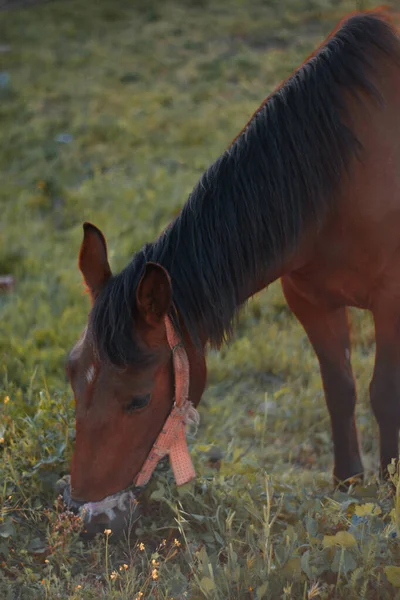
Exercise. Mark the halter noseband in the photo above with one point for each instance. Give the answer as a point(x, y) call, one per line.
point(172, 438)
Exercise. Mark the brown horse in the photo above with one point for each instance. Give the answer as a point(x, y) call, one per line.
point(308, 192)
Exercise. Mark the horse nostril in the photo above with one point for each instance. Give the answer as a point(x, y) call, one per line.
point(75, 505)
point(75, 508)
point(77, 501)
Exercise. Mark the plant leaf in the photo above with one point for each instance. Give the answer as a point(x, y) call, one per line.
point(365, 510)
point(341, 538)
point(37, 546)
point(393, 575)
point(305, 564)
point(158, 494)
point(292, 568)
point(207, 584)
point(4, 548)
point(7, 529)
point(343, 560)
point(261, 591)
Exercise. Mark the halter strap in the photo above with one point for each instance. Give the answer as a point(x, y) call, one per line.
point(172, 438)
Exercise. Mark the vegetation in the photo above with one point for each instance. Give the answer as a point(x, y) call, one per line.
point(110, 111)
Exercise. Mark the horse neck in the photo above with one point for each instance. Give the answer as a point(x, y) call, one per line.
point(207, 296)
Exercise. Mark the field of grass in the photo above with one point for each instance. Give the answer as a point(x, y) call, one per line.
point(110, 111)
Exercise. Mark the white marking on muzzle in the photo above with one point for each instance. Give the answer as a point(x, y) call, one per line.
point(120, 501)
point(90, 374)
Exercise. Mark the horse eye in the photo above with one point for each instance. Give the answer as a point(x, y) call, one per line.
point(137, 402)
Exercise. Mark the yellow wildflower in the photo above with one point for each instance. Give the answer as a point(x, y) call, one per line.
point(6, 399)
point(141, 547)
point(154, 574)
point(114, 575)
point(107, 531)
point(177, 543)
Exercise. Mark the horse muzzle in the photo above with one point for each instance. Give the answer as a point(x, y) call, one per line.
point(117, 513)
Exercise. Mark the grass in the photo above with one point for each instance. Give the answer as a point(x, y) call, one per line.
point(110, 112)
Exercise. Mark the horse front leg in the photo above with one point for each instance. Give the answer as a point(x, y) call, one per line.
point(328, 332)
point(385, 384)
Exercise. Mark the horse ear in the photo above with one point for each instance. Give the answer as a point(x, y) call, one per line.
point(93, 261)
point(154, 294)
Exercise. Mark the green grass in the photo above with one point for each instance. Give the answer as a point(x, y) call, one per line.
point(151, 93)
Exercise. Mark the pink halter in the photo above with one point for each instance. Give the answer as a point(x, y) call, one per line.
point(172, 438)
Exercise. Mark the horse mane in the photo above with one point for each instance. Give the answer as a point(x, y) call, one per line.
point(280, 175)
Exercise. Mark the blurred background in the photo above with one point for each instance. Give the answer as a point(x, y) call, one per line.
point(109, 112)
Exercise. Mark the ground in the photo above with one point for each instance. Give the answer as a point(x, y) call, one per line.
point(110, 111)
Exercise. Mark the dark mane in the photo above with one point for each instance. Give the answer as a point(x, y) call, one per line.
point(250, 208)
